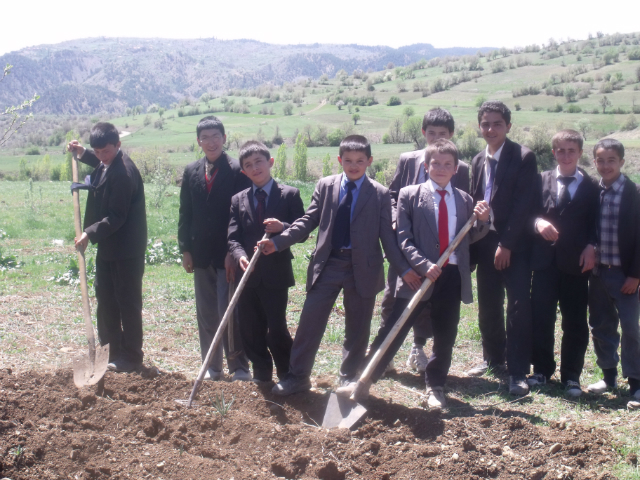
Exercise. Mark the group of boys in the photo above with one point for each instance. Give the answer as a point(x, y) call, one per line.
point(558, 237)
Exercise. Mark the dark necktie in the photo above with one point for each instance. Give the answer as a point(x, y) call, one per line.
point(99, 175)
point(489, 183)
point(565, 196)
point(261, 196)
point(443, 224)
point(341, 236)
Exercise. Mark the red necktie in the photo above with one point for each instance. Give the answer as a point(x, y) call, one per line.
point(443, 224)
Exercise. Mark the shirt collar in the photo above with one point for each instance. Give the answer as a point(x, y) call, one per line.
point(345, 180)
point(266, 188)
point(495, 155)
point(433, 186)
point(577, 175)
point(615, 186)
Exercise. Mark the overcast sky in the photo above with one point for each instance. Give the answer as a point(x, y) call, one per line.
point(443, 23)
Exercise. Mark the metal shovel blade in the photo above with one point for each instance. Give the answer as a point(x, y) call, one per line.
point(86, 372)
point(342, 412)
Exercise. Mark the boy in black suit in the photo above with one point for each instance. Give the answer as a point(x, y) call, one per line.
point(562, 256)
point(264, 207)
point(613, 286)
point(504, 175)
point(205, 200)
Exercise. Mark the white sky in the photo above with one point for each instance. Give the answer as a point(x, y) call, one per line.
point(443, 23)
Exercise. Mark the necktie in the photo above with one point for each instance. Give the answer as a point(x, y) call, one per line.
point(489, 184)
point(565, 196)
point(443, 224)
point(261, 196)
point(210, 168)
point(341, 236)
point(99, 175)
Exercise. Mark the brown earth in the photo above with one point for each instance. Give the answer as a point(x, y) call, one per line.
point(51, 430)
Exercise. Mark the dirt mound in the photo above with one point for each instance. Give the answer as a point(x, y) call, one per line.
point(51, 430)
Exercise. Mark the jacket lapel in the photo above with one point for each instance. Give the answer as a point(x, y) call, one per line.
point(222, 164)
point(503, 165)
point(115, 164)
point(366, 189)
point(461, 210)
point(247, 200)
point(478, 174)
point(553, 187)
point(427, 208)
point(626, 204)
point(274, 198)
point(335, 192)
point(419, 161)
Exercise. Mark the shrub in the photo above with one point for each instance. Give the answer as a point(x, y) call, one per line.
point(480, 100)
point(573, 109)
point(335, 137)
point(555, 109)
point(629, 124)
point(393, 101)
point(32, 151)
point(540, 143)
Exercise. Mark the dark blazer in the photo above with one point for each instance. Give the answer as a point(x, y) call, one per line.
point(204, 216)
point(408, 170)
point(370, 224)
point(576, 223)
point(115, 217)
point(513, 196)
point(285, 204)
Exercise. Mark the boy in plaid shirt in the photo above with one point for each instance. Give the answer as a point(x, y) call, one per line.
point(613, 286)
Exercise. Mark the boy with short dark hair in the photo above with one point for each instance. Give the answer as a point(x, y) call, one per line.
point(562, 256)
point(613, 286)
point(429, 217)
point(262, 309)
point(437, 123)
point(354, 216)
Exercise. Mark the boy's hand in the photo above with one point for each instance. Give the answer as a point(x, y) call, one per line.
point(244, 263)
point(81, 244)
point(413, 279)
point(482, 211)
point(547, 230)
point(230, 267)
point(434, 272)
point(268, 247)
point(502, 259)
point(630, 286)
point(273, 225)
point(187, 262)
point(75, 147)
point(588, 258)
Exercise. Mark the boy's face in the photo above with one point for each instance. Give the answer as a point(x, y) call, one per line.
point(354, 164)
point(441, 168)
point(108, 153)
point(567, 154)
point(494, 129)
point(608, 164)
point(211, 141)
point(433, 133)
point(258, 168)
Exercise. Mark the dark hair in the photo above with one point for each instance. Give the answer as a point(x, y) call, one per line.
point(355, 143)
point(442, 146)
point(208, 123)
point(438, 117)
point(567, 135)
point(103, 134)
point(251, 147)
point(609, 144)
point(495, 106)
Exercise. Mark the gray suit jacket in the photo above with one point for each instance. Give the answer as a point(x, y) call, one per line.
point(418, 235)
point(408, 170)
point(370, 224)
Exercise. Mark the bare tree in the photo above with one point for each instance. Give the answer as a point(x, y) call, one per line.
point(16, 118)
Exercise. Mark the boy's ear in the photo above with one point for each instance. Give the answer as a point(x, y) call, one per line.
point(271, 160)
point(370, 161)
point(118, 144)
point(451, 135)
point(339, 159)
point(508, 127)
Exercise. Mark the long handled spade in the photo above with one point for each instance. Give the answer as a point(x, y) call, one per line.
point(87, 369)
point(223, 323)
point(344, 412)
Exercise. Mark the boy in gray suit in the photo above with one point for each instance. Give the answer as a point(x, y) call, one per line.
point(429, 217)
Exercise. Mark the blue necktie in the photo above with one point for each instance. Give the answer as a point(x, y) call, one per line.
point(341, 236)
point(492, 175)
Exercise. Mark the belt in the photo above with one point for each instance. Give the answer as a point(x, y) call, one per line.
point(608, 267)
point(340, 251)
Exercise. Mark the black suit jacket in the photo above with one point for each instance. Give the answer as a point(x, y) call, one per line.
point(115, 217)
point(513, 196)
point(285, 204)
point(204, 216)
point(576, 223)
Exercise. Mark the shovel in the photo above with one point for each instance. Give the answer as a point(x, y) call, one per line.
point(87, 369)
point(345, 412)
point(223, 323)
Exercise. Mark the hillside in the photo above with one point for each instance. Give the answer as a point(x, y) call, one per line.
point(110, 74)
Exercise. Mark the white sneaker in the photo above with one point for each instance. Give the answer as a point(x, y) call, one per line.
point(417, 359)
point(390, 368)
point(600, 387)
point(213, 375)
point(435, 398)
point(241, 375)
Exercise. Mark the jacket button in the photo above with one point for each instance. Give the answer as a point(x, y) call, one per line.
point(437, 245)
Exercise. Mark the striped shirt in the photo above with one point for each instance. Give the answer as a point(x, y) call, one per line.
point(610, 198)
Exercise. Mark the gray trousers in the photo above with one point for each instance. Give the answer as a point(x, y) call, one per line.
point(609, 307)
point(212, 298)
point(336, 275)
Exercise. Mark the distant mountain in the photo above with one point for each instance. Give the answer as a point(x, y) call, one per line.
point(109, 74)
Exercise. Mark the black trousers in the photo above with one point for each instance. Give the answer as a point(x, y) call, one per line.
point(445, 316)
point(550, 287)
point(514, 342)
point(262, 314)
point(118, 287)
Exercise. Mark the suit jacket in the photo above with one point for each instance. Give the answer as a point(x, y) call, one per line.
point(576, 223)
point(285, 204)
point(408, 170)
point(370, 224)
point(204, 216)
point(513, 196)
point(418, 236)
point(115, 217)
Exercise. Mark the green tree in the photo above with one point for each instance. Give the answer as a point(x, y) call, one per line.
point(408, 112)
point(355, 118)
point(161, 112)
point(480, 100)
point(280, 167)
point(393, 101)
point(326, 165)
point(412, 127)
point(300, 159)
point(287, 109)
point(584, 127)
point(570, 93)
point(12, 119)
point(604, 103)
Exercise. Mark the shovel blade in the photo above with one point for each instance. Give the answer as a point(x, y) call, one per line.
point(86, 372)
point(342, 412)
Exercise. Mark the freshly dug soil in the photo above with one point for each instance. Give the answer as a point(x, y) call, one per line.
point(135, 429)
